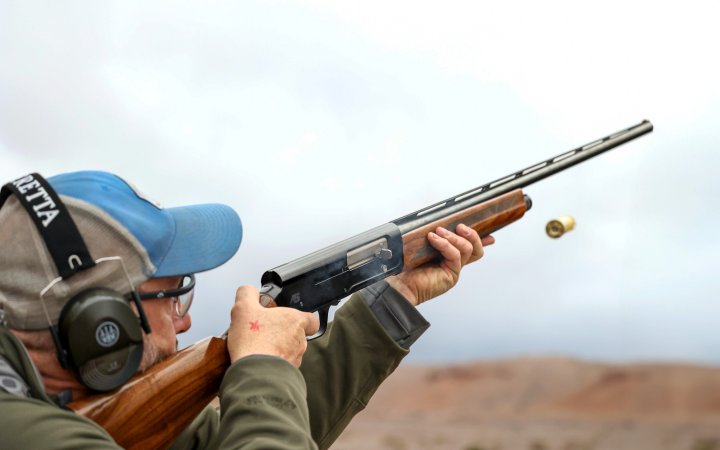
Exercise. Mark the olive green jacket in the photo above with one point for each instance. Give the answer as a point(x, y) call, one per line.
point(264, 401)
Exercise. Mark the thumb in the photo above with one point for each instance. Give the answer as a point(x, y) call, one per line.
point(247, 297)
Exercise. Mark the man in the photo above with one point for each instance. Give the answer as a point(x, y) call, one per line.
point(74, 249)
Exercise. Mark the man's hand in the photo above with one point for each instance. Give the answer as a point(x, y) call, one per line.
point(430, 280)
point(256, 330)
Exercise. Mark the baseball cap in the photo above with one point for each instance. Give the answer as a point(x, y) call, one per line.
point(114, 219)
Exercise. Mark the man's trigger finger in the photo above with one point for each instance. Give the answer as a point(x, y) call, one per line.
point(312, 324)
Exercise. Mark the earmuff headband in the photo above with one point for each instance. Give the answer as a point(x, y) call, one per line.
point(52, 219)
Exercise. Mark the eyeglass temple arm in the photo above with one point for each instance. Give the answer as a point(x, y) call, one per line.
point(141, 311)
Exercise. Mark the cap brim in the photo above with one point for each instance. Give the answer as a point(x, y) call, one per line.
point(206, 236)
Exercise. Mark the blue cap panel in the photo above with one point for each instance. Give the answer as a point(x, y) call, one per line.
point(178, 240)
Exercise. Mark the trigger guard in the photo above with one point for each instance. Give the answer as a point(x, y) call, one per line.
point(323, 313)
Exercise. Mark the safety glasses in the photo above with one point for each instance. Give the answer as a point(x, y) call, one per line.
point(182, 295)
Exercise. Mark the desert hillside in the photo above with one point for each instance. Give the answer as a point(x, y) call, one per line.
point(542, 404)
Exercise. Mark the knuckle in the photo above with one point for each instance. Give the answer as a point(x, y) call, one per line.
point(245, 291)
point(457, 240)
point(456, 253)
point(478, 254)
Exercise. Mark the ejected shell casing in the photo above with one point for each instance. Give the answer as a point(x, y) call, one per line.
point(557, 227)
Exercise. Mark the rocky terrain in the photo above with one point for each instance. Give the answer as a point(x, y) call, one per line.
point(542, 404)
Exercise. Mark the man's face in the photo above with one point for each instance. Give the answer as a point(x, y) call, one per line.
point(164, 322)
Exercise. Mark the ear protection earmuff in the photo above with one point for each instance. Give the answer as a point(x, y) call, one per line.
point(98, 334)
point(102, 338)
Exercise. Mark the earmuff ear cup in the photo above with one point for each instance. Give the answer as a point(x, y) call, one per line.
point(102, 337)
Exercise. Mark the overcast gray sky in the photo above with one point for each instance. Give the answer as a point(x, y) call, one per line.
point(317, 120)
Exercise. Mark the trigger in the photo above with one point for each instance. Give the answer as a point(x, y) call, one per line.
point(323, 316)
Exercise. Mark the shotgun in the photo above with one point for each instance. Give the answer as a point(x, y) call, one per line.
point(187, 381)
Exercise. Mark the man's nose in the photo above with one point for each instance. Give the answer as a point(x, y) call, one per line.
point(182, 324)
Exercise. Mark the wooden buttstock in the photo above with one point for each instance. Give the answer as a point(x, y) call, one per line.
point(484, 218)
point(155, 406)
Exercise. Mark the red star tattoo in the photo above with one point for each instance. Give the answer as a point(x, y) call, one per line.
point(255, 326)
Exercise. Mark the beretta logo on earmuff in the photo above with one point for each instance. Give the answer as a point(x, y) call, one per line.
point(107, 334)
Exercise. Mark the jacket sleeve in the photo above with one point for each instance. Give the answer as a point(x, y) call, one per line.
point(28, 418)
point(32, 423)
point(366, 341)
point(262, 405)
point(263, 402)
